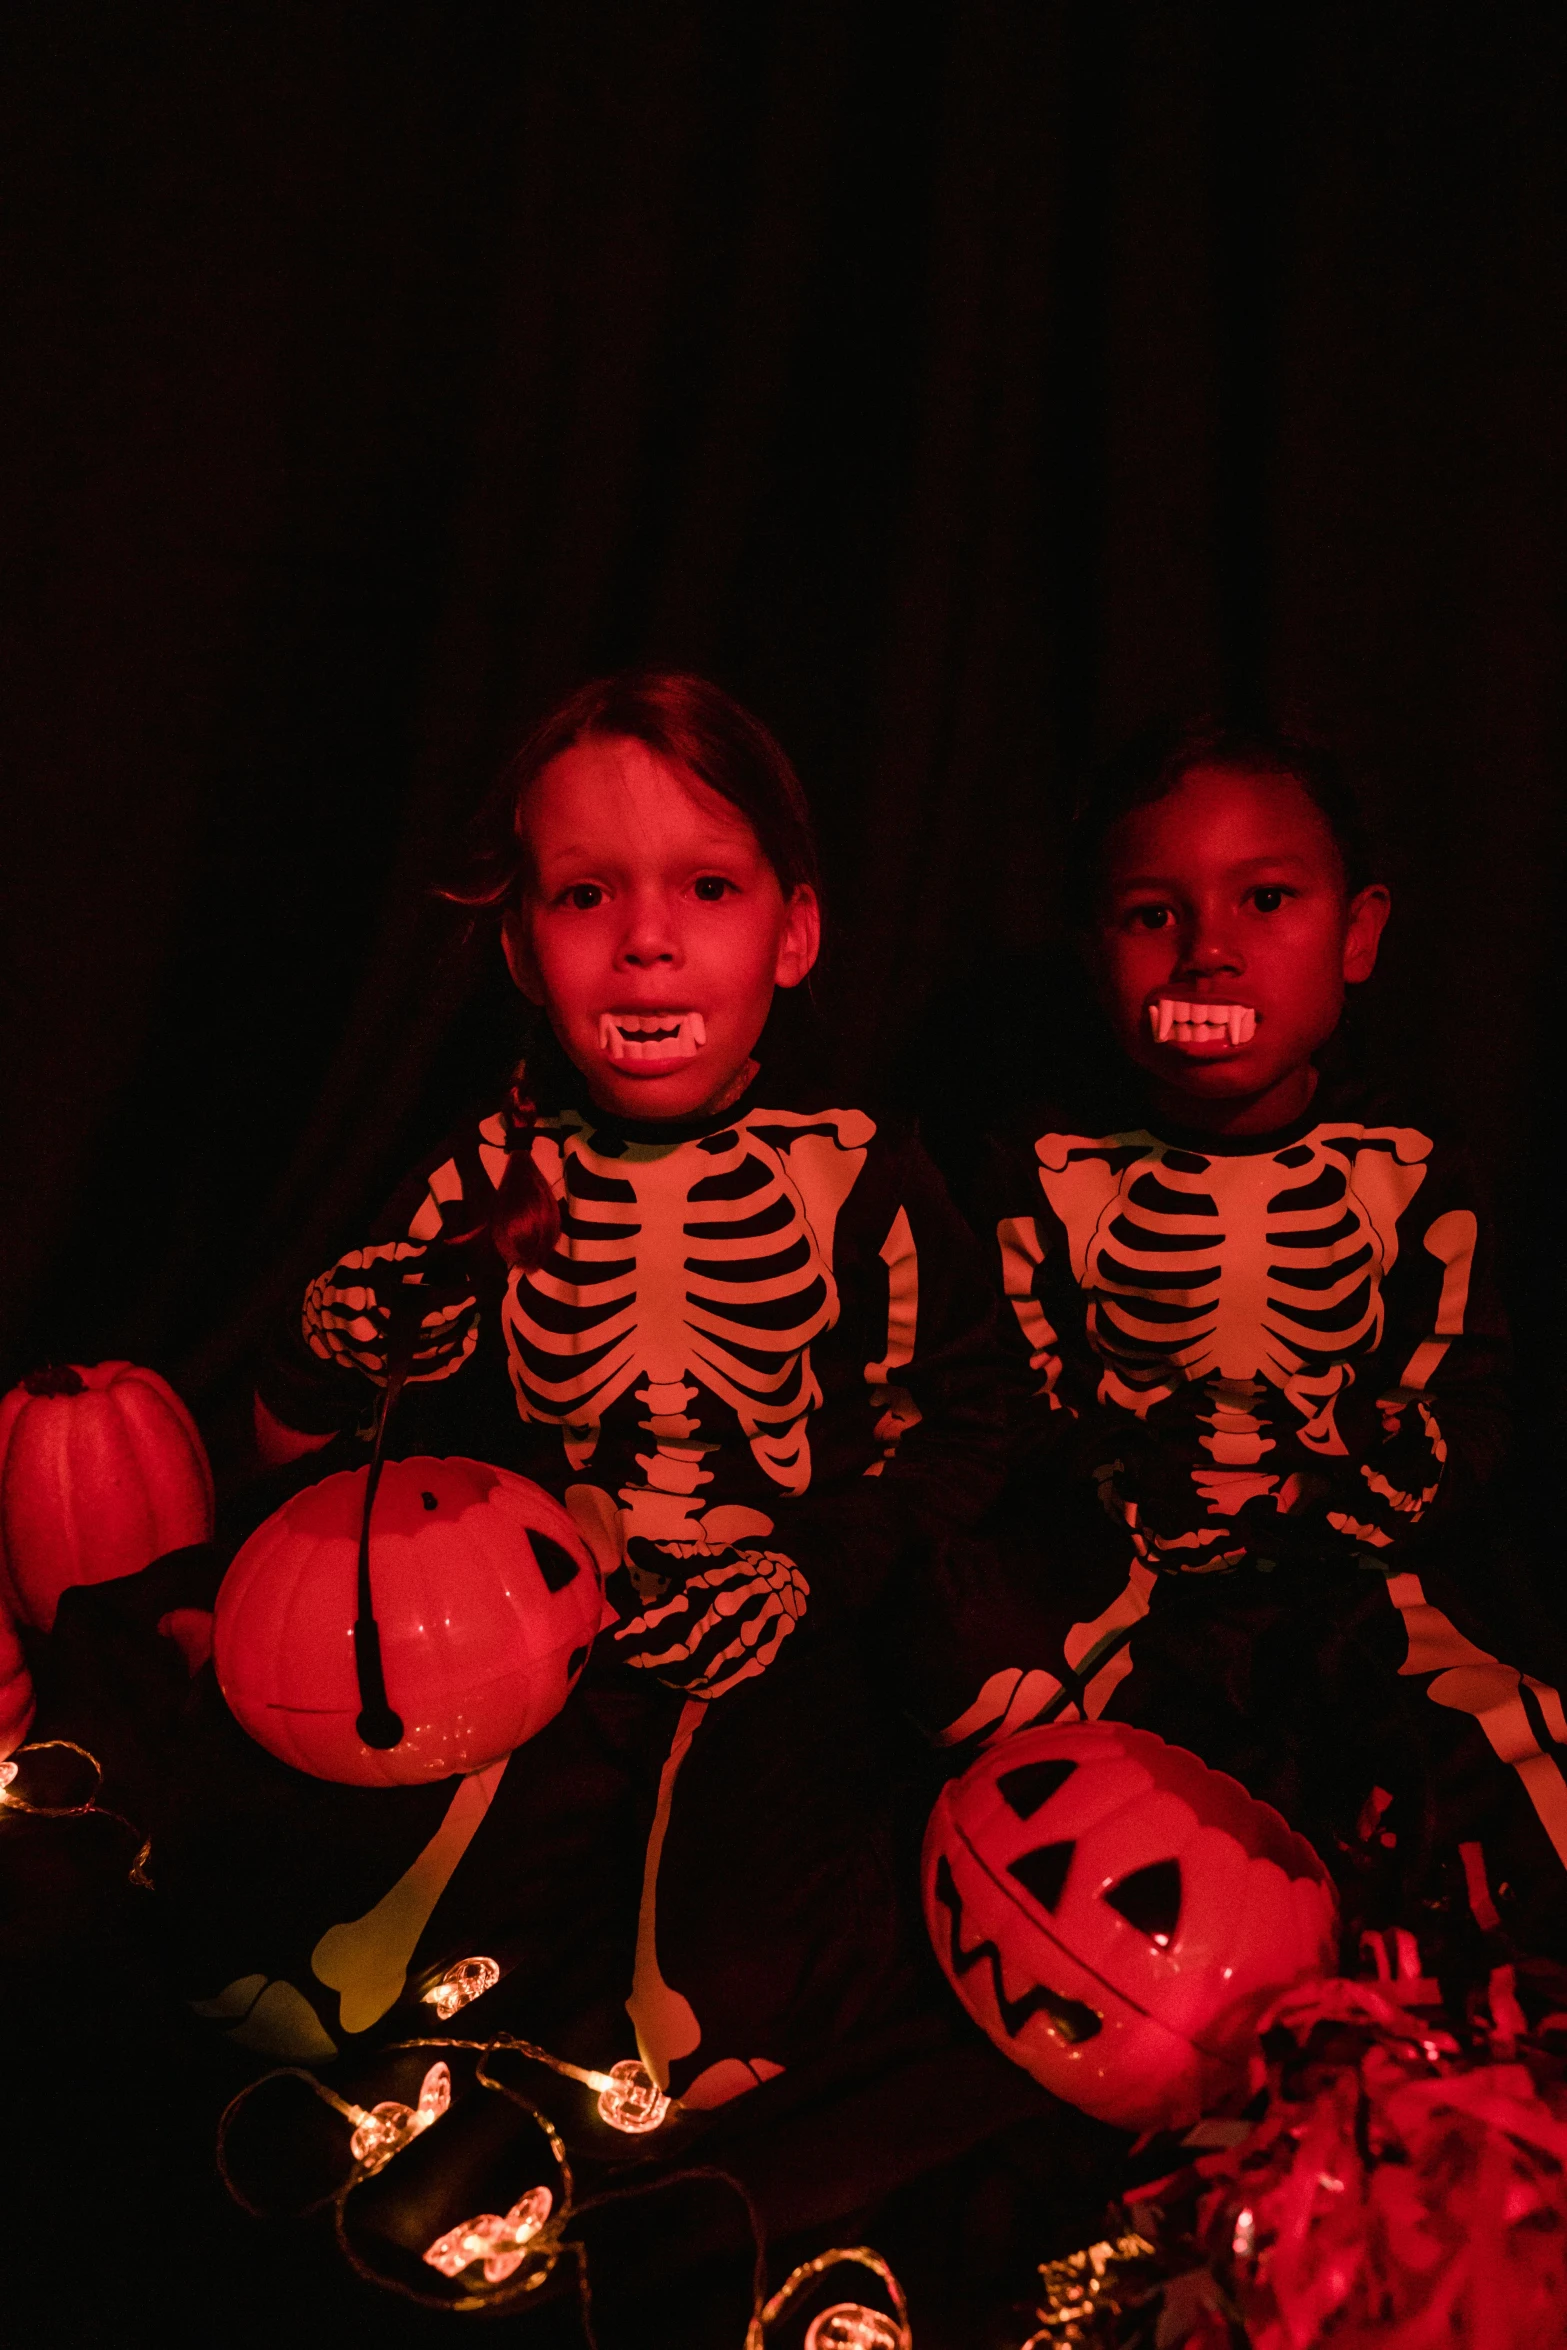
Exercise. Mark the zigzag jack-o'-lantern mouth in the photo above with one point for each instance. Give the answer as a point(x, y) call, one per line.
point(1072, 2018)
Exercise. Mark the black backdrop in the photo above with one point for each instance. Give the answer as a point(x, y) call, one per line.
point(962, 385)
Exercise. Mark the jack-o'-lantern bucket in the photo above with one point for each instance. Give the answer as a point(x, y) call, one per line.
point(1116, 1915)
point(486, 1601)
point(101, 1471)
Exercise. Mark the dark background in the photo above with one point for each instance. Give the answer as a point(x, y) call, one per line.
point(963, 386)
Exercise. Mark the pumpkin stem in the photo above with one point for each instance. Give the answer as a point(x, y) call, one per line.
point(55, 1379)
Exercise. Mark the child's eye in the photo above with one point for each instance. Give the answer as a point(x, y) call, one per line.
point(710, 887)
point(1270, 897)
point(584, 895)
point(1149, 917)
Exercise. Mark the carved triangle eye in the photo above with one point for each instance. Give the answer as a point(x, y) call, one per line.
point(1043, 1872)
point(1031, 1785)
point(1150, 1900)
point(556, 1565)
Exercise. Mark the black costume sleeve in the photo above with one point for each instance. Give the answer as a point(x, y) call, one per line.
point(1056, 1425)
point(939, 1417)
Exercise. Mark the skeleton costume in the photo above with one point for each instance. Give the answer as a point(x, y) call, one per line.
point(1272, 1367)
point(760, 1359)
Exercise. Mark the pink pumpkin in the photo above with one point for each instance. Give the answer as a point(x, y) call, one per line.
point(486, 1596)
point(101, 1471)
point(1116, 1915)
point(16, 1689)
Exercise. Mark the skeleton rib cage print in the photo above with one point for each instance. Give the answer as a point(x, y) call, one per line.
point(691, 1281)
point(1235, 1269)
point(1251, 1283)
point(669, 1272)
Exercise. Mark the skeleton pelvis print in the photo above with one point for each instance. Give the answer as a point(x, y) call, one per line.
point(1251, 1272)
point(689, 1286)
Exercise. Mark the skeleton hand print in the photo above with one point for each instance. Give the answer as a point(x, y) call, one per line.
point(348, 1314)
point(1394, 1492)
point(723, 1626)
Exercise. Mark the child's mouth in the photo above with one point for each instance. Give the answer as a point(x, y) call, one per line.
point(651, 1036)
point(1175, 1021)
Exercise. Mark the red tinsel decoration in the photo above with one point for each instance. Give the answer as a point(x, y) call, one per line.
point(1399, 2191)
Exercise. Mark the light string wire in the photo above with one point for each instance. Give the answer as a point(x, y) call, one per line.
point(140, 1870)
point(551, 2243)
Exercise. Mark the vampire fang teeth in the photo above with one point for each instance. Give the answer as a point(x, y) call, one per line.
point(1171, 1021)
point(651, 1036)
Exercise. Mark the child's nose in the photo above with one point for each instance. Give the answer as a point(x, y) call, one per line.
point(1209, 946)
point(650, 936)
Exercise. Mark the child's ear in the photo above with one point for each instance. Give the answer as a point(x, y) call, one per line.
point(801, 941)
point(1368, 912)
point(517, 946)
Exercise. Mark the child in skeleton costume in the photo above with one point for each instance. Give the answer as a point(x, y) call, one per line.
point(1257, 1312)
point(751, 1346)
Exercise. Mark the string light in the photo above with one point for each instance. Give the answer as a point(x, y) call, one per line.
point(503, 2244)
point(140, 1871)
point(520, 2248)
point(461, 1984)
point(629, 2098)
point(387, 2128)
point(847, 2325)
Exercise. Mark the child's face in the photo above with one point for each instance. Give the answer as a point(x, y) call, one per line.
point(655, 930)
point(1223, 944)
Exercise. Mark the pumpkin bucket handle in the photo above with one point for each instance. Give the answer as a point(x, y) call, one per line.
point(378, 1724)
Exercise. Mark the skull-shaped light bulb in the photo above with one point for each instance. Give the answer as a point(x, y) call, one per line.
point(500, 2241)
point(461, 1984)
point(387, 2128)
point(849, 2325)
point(633, 2102)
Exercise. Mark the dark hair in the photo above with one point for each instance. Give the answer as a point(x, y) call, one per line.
point(1158, 762)
point(686, 720)
point(691, 723)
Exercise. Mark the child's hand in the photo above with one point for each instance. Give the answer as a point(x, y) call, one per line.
point(348, 1314)
point(724, 1625)
point(1393, 1490)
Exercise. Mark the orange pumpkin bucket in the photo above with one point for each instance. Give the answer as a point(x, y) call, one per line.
point(101, 1471)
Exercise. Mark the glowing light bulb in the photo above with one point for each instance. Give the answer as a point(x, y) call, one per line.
point(387, 2128)
point(500, 2242)
point(461, 1984)
point(632, 2100)
point(1244, 2241)
point(849, 2325)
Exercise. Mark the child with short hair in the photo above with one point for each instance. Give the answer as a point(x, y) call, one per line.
point(1257, 1307)
point(746, 1339)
